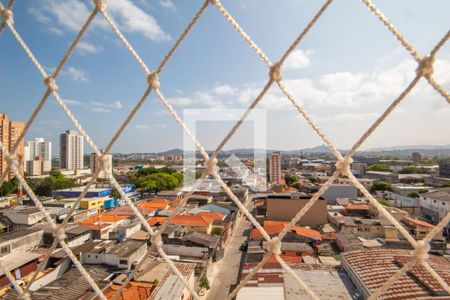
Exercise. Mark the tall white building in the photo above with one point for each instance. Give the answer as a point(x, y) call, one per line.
point(71, 151)
point(94, 164)
point(275, 167)
point(38, 148)
point(37, 156)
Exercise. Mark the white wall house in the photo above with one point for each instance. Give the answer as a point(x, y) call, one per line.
point(121, 256)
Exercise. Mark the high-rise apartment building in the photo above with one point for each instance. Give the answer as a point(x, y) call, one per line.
point(71, 150)
point(416, 157)
point(38, 148)
point(94, 164)
point(275, 167)
point(38, 156)
point(10, 132)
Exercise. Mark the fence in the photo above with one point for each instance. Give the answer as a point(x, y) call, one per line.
point(424, 70)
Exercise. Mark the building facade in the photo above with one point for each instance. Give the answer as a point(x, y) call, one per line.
point(444, 169)
point(38, 156)
point(416, 157)
point(10, 132)
point(284, 207)
point(275, 167)
point(71, 150)
point(94, 164)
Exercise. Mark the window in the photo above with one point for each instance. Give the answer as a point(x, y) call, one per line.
point(89, 256)
point(123, 262)
point(4, 250)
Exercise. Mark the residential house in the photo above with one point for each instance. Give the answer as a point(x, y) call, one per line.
point(122, 255)
point(24, 215)
point(21, 240)
point(419, 229)
point(169, 285)
point(20, 264)
point(371, 269)
point(194, 223)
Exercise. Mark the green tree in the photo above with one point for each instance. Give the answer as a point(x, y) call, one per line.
point(151, 186)
point(413, 195)
point(290, 179)
point(381, 186)
point(413, 170)
point(204, 283)
point(8, 187)
point(379, 168)
point(422, 191)
point(383, 201)
point(55, 181)
point(115, 194)
point(312, 179)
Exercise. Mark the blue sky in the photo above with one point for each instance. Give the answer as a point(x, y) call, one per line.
point(345, 72)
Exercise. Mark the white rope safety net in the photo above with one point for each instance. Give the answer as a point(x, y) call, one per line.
point(424, 69)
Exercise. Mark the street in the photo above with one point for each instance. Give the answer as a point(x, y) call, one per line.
point(228, 267)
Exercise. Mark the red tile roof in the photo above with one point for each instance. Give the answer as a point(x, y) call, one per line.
point(215, 216)
point(102, 218)
point(286, 258)
point(133, 291)
point(419, 222)
point(191, 220)
point(374, 267)
point(126, 211)
point(275, 227)
point(357, 207)
point(155, 204)
point(156, 220)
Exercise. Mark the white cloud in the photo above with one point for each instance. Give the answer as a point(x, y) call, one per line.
point(150, 126)
point(104, 107)
point(298, 59)
point(133, 19)
point(99, 109)
point(167, 4)
point(73, 102)
point(96, 106)
point(77, 74)
point(87, 48)
point(71, 14)
point(224, 89)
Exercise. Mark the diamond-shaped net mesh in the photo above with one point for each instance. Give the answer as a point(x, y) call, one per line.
point(424, 69)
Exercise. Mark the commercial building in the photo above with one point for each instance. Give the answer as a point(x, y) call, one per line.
point(284, 207)
point(370, 269)
point(99, 191)
point(94, 164)
point(444, 169)
point(336, 191)
point(10, 132)
point(275, 167)
point(71, 150)
point(38, 156)
point(435, 205)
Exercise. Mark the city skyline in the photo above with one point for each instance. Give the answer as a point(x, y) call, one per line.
point(342, 91)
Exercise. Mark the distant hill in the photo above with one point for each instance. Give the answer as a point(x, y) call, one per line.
point(429, 150)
